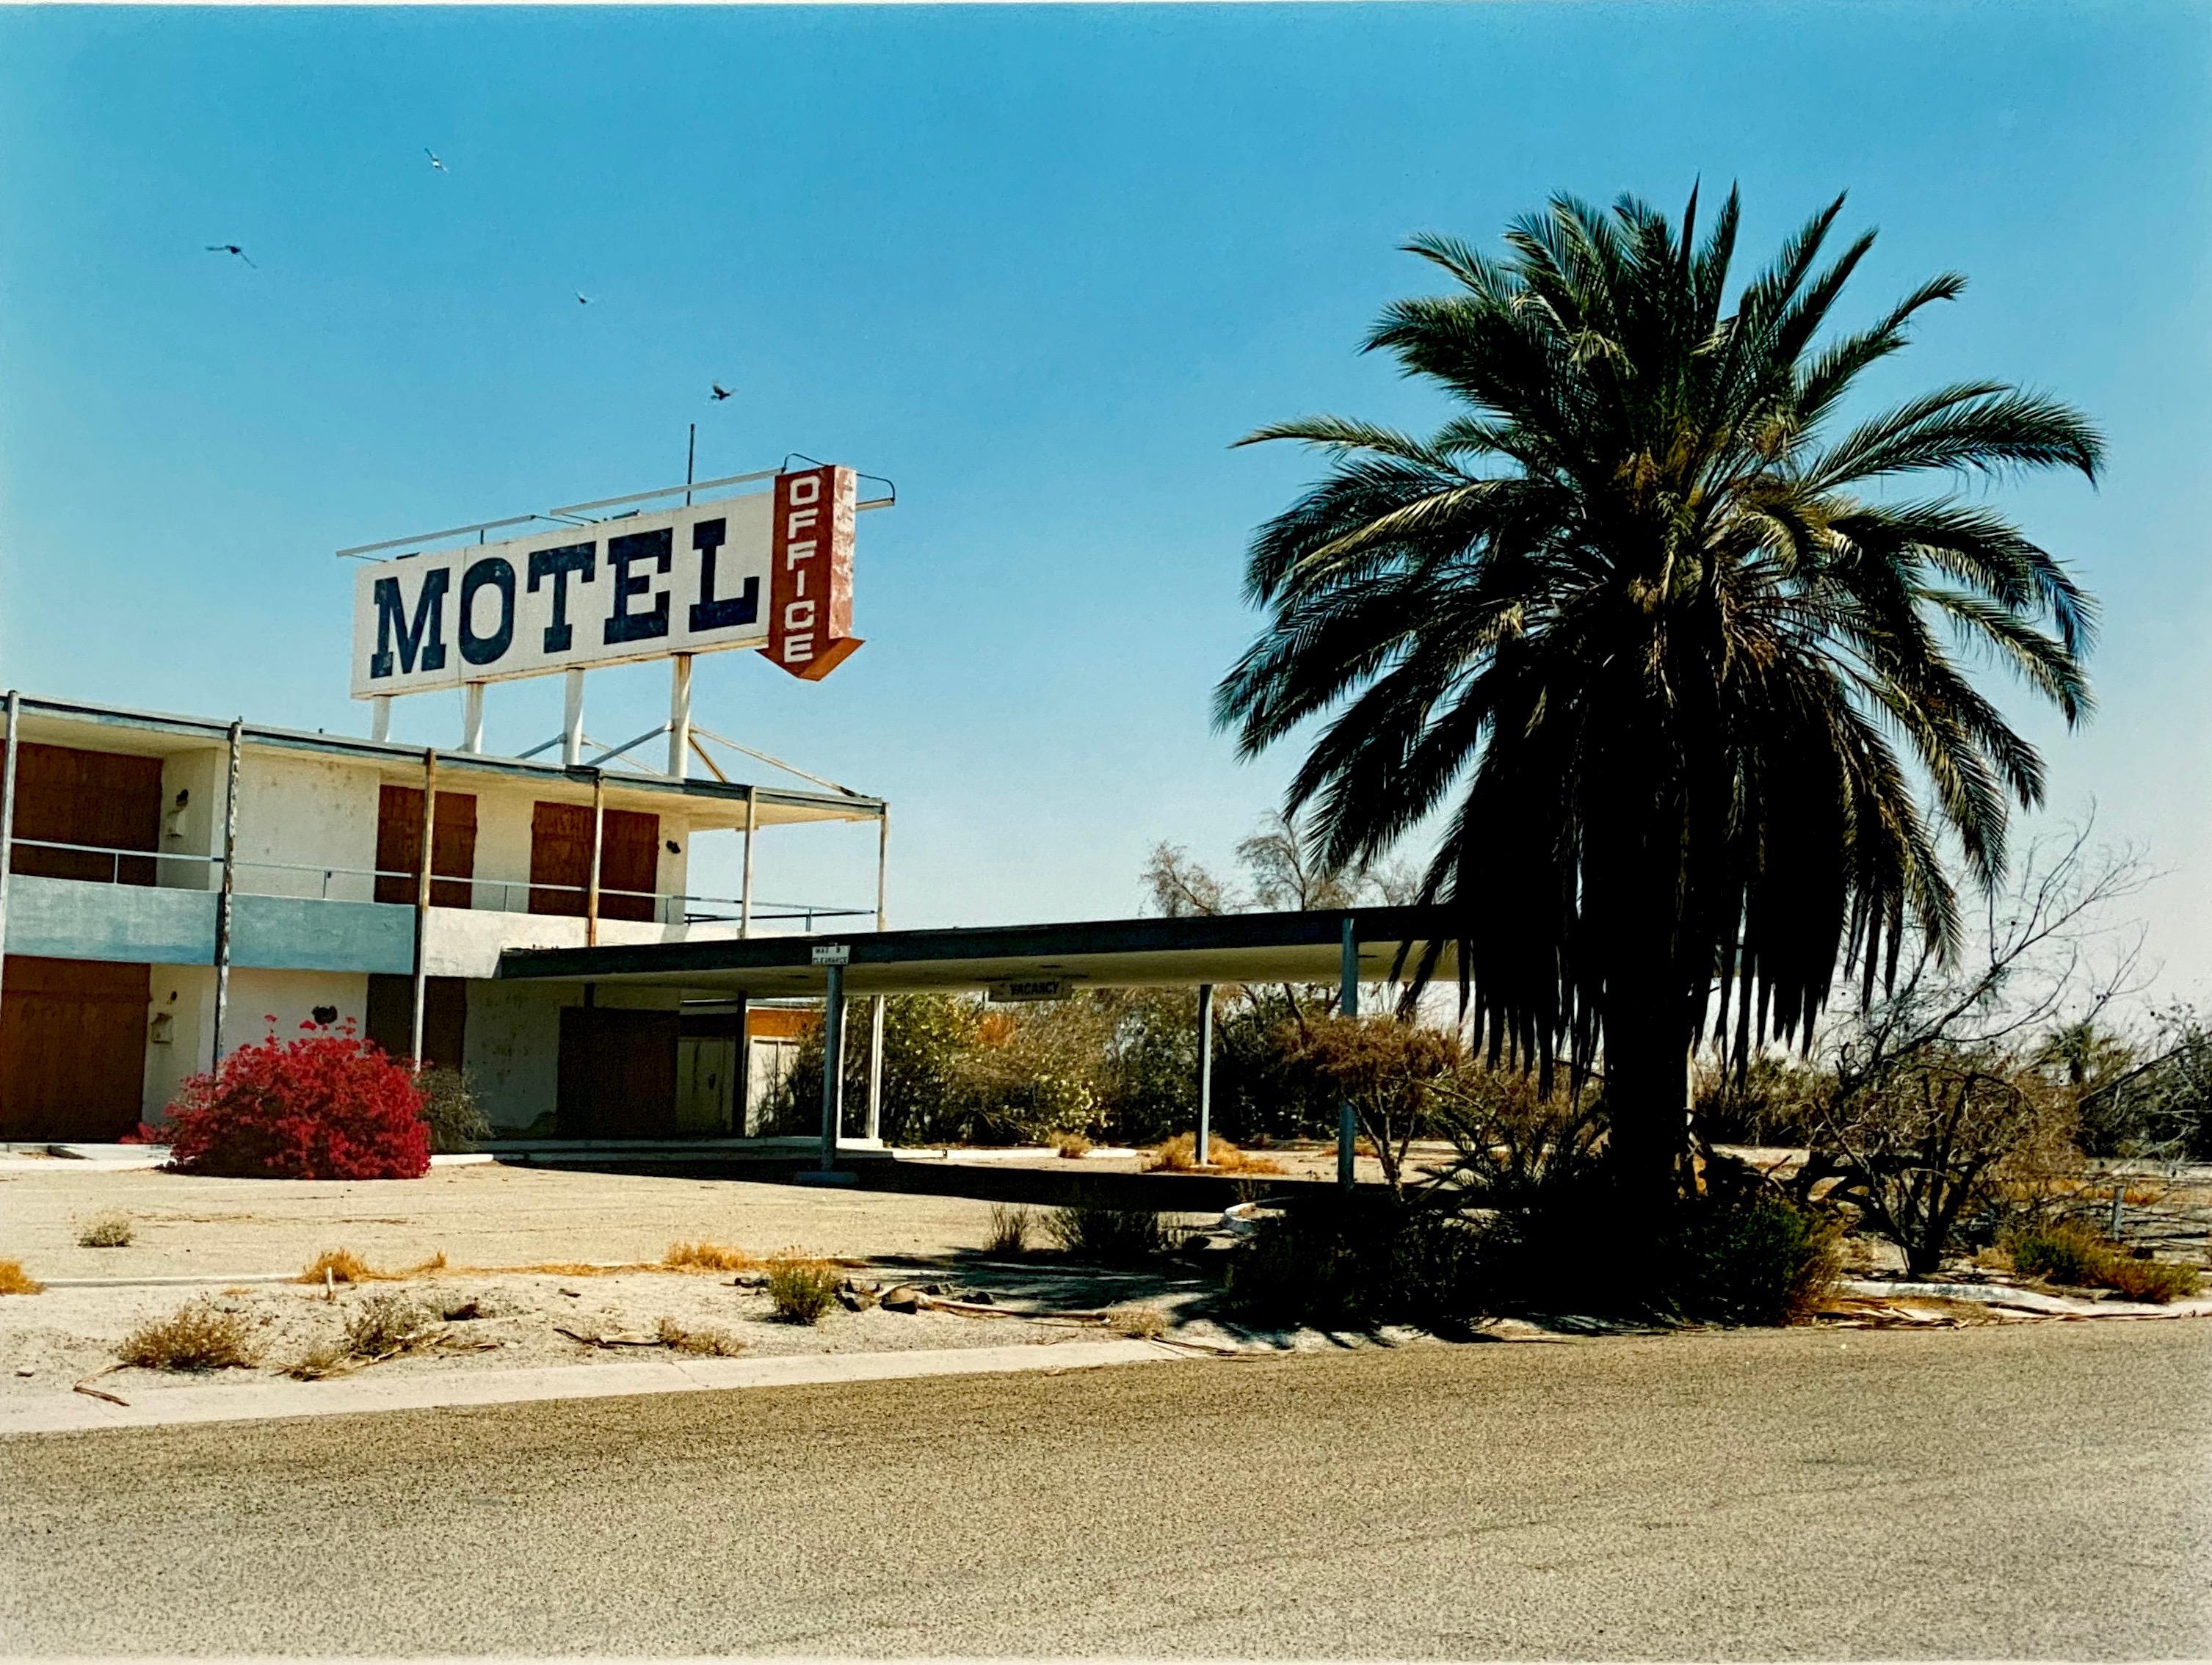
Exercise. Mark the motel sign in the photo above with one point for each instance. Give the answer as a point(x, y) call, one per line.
point(772, 571)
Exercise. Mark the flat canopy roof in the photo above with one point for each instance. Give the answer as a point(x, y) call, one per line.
point(1303, 947)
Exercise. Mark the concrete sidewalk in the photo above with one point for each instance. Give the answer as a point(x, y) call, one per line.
point(78, 1413)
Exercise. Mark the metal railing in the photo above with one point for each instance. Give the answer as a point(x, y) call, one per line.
point(668, 907)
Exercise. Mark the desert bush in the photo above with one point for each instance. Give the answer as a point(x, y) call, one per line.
point(1772, 1101)
point(2149, 1280)
point(106, 1232)
point(450, 1111)
point(1112, 1236)
point(1356, 1264)
point(2063, 1251)
point(384, 1324)
point(336, 1266)
point(1386, 1068)
point(1071, 1146)
point(200, 1336)
point(1009, 1231)
point(801, 1289)
point(709, 1343)
point(2068, 1251)
point(1139, 1323)
point(326, 1105)
point(1745, 1254)
point(14, 1280)
point(708, 1257)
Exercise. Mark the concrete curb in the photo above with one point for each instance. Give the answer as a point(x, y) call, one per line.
point(354, 1395)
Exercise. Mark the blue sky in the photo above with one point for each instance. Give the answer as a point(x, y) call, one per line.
point(1040, 267)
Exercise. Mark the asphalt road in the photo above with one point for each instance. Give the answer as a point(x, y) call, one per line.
point(2033, 1491)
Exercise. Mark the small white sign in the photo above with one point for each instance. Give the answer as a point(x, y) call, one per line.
point(833, 953)
point(1031, 989)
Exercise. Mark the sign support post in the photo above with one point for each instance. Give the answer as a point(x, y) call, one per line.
point(679, 715)
point(572, 720)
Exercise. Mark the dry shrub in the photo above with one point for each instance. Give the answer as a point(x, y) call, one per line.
point(1179, 1155)
point(2149, 1281)
point(200, 1336)
point(707, 1257)
point(385, 1324)
point(1010, 1230)
point(713, 1343)
point(336, 1266)
point(1071, 1146)
point(14, 1280)
point(106, 1232)
point(1141, 1322)
point(2069, 1252)
point(801, 1288)
point(1091, 1232)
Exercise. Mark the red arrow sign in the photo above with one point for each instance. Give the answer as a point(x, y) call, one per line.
point(810, 620)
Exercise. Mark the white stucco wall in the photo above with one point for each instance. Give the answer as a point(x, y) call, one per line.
point(308, 812)
point(513, 1046)
point(199, 775)
point(255, 995)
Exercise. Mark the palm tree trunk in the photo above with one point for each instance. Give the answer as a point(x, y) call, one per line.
point(1647, 1098)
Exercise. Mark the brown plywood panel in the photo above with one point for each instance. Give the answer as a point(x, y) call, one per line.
point(560, 856)
point(399, 845)
point(390, 1021)
point(110, 800)
point(617, 1076)
point(72, 1048)
point(629, 860)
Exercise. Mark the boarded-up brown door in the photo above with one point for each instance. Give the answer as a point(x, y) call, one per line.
point(399, 846)
point(390, 1020)
point(559, 858)
point(72, 1048)
point(629, 861)
point(561, 861)
point(618, 1073)
point(102, 798)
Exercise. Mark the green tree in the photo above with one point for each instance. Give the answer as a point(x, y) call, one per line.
point(1667, 643)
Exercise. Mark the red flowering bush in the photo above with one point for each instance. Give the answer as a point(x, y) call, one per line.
point(327, 1105)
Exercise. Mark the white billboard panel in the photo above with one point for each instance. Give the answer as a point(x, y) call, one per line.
point(694, 580)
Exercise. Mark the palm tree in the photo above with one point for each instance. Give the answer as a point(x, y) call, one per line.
point(1673, 647)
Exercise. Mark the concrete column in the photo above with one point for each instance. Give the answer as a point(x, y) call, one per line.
point(679, 715)
point(380, 717)
point(423, 905)
point(572, 720)
point(472, 716)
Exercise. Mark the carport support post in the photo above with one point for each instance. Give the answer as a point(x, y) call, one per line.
point(422, 904)
point(224, 901)
point(876, 1001)
point(1205, 1152)
point(745, 890)
point(1348, 1001)
point(8, 814)
point(833, 1062)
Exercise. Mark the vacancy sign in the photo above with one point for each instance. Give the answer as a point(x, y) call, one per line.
point(772, 571)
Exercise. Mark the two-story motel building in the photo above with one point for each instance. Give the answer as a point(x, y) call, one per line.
point(167, 885)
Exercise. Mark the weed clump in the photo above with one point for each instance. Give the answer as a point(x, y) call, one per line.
point(14, 1280)
point(383, 1325)
point(707, 1257)
point(199, 1336)
point(1093, 1231)
point(1179, 1155)
point(1071, 1146)
point(1010, 1230)
point(106, 1232)
point(336, 1266)
point(711, 1343)
point(1139, 1322)
point(800, 1288)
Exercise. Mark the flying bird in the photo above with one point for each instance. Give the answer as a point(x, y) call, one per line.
point(439, 166)
point(231, 248)
point(583, 299)
point(720, 392)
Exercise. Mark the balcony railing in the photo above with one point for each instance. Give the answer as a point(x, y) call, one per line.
point(507, 895)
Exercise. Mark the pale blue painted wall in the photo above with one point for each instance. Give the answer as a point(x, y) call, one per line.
point(83, 920)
